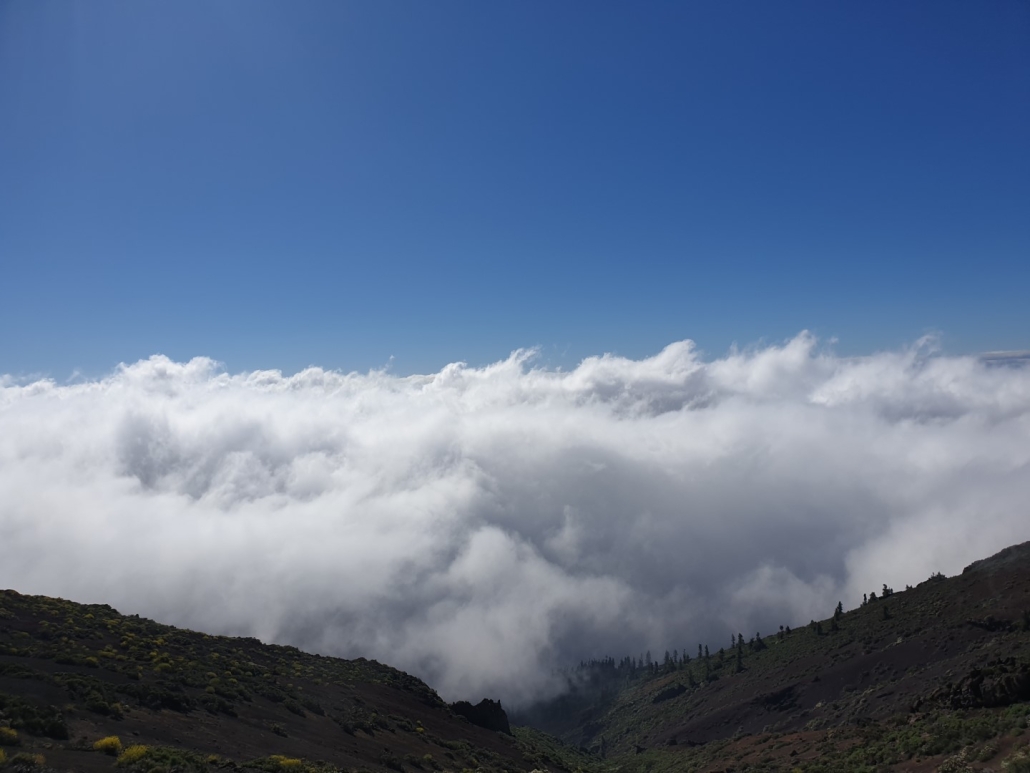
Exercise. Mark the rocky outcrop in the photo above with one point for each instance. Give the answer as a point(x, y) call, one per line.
point(669, 693)
point(486, 713)
point(999, 684)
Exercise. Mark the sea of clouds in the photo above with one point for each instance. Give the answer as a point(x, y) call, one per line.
point(481, 526)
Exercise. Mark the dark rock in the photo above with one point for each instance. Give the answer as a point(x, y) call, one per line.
point(781, 700)
point(1001, 684)
point(486, 713)
point(669, 693)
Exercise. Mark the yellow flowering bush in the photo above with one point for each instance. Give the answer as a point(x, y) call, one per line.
point(134, 753)
point(112, 745)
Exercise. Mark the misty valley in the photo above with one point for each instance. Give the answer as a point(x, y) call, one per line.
point(933, 677)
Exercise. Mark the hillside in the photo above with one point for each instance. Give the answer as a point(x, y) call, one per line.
point(906, 681)
point(935, 677)
point(71, 675)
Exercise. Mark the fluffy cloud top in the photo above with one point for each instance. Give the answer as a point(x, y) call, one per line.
point(480, 526)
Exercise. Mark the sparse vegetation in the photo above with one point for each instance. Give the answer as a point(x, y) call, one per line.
point(938, 674)
point(133, 754)
point(112, 745)
point(1019, 762)
point(941, 672)
point(105, 667)
point(27, 760)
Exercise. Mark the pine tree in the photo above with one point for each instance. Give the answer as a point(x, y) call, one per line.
point(839, 611)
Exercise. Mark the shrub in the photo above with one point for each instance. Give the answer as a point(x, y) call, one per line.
point(8, 737)
point(112, 745)
point(286, 763)
point(3, 757)
point(28, 760)
point(134, 753)
point(1017, 763)
point(988, 752)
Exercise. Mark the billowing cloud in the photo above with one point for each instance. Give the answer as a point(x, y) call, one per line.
point(479, 526)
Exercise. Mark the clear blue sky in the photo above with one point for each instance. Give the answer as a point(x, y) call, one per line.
point(281, 184)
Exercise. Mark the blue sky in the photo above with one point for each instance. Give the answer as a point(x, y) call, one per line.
point(283, 184)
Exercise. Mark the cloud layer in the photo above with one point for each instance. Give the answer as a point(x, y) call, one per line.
point(479, 526)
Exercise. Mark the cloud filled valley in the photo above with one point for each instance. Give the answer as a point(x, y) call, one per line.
point(481, 526)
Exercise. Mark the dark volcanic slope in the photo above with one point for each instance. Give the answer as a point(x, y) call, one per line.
point(102, 673)
point(931, 678)
point(947, 649)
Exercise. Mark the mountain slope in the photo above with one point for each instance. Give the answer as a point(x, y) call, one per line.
point(72, 674)
point(950, 650)
point(931, 678)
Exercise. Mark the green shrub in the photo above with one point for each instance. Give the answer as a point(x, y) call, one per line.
point(134, 753)
point(987, 752)
point(1017, 763)
point(33, 719)
point(8, 737)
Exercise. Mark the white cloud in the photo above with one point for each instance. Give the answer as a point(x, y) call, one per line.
point(479, 526)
